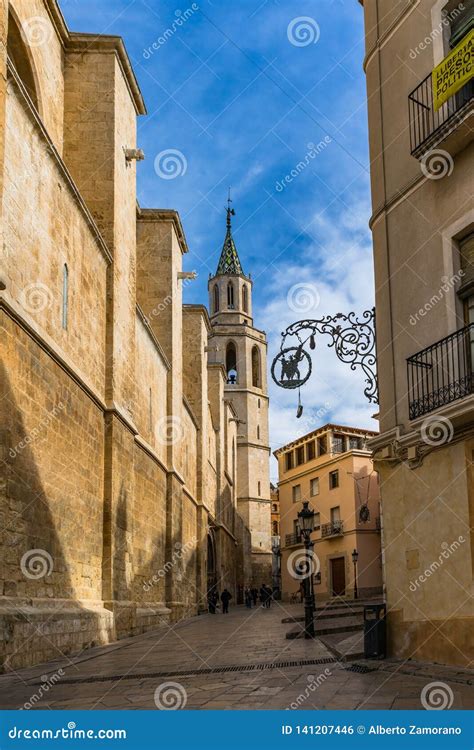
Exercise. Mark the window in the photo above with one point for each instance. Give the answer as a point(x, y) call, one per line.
point(258, 432)
point(259, 489)
point(461, 19)
point(333, 479)
point(258, 403)
point(256, 367)
point(355, 443)
point(317, 521)
point(289, 460)
point(300, 455)
point(322, 445)
point(231, 363)
point(65, 296)
point(338, 444)
point(230, 295)
point(296, 528)
point(21, 59)
point(216, 298)
point(314, 487)
point(310, 450)
point(296, 493)
point(245, 298)
point(274, 508)
point(335, 514)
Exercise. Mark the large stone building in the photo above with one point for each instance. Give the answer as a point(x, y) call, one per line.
point(242, 349)
point(331, 468)
point(121, 497)
point(422, 159)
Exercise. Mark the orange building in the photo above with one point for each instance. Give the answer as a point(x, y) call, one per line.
point(332, 469)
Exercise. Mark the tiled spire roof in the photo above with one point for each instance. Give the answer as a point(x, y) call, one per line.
point(229, 262)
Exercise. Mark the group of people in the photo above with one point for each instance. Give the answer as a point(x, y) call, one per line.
point(213, 601)
point(251, 597)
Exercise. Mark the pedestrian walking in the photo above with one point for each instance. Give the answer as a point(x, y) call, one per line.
point(263, 596)
point(269, 597)
point(212, 599)
point(226, 596)
point(255, 596)
point(248, 598)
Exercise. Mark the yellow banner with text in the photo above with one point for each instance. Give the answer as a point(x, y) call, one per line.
point(454, 72)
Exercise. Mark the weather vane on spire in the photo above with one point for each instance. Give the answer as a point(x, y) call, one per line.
point(230, 211)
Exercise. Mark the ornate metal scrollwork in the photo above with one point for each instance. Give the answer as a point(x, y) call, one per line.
point(352, 337)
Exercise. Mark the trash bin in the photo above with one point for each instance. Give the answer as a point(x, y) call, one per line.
point(374, 631)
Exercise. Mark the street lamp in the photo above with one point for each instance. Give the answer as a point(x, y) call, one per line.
point(306, 524)
point(355, 557)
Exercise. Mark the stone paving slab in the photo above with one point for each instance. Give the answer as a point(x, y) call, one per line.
point(243, 639)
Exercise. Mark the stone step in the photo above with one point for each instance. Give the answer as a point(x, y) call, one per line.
point(339, 625)
point(328, 615)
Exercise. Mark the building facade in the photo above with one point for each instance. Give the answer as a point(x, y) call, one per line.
point(276, 541)
point(120, 494)
point(422, 159)
point(331, 468)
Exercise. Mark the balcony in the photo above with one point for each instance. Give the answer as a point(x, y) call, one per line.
point(292, 539)
point(448, 125)
point(332, 529)
point(441, 373)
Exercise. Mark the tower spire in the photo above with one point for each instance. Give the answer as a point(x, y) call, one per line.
point(229, 262)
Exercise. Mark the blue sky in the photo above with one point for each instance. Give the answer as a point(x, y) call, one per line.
point(241, 90)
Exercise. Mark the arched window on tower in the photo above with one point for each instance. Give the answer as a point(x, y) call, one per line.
point(230, 295)
point(231, 363)
point(65, 308)
point(245, 298)
point(19, 55)
point(216, 298)
point(256, 376)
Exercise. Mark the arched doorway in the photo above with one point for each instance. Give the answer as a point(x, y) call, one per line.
point(211, 561)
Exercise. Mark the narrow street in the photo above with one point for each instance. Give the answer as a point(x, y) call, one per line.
point(236, 661)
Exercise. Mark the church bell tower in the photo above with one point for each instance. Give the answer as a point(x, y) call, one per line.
point(242, 349)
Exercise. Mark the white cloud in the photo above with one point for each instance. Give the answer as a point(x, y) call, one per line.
point(338, 265)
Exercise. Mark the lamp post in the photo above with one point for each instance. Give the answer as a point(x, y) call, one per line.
point(355, 557)
point(306, 519)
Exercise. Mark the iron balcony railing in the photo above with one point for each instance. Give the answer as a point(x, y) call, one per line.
point(332, 529)
point(427, 125)
point(291, 539)
point(441, 373)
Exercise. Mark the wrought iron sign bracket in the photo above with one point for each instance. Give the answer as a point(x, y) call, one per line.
point(352, 337)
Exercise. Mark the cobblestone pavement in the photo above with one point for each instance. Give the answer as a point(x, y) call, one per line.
point(146, 672)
